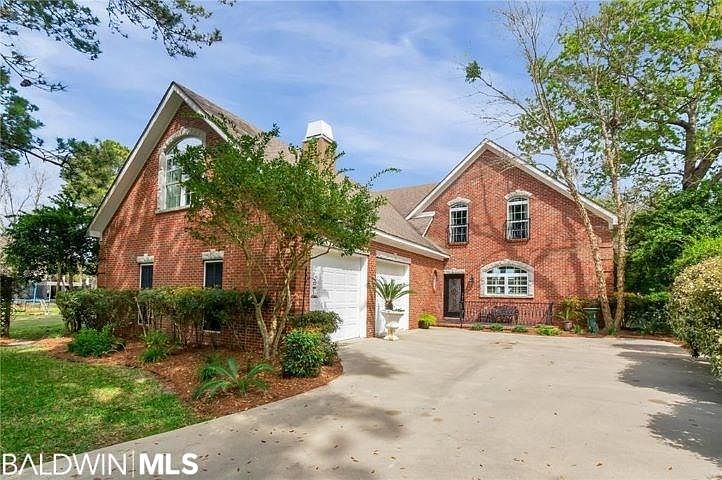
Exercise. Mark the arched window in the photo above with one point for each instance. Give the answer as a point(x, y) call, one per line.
point(517, 218)
point(171, 192)
point(508, 279)
point(458, 222)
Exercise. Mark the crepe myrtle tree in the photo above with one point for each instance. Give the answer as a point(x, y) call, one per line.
point(275, 208)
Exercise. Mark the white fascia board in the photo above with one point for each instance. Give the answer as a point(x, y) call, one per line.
point(394, 241)
point(516, 161)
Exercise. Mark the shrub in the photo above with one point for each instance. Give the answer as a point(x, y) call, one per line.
point(225, 376)
point(325, 322)
point(208, 369)
point(570, 310)
point(330, 350)
point(427, 320)
point(477, 326)
point(520, 329)
point(646, 313)
point(89, 342)
point(95, 308)
point(697, 251)
point(695, 308)
point(303, 353)
point(158, 346)
point(578, 329)
point(189, 310)
point(496, 327)
point(547, 330)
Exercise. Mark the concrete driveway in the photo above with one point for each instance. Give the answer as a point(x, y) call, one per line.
point(447, 403)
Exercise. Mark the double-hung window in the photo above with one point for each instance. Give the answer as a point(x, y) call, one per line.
point(458, 223)
point(175, 194)
point(517, 218)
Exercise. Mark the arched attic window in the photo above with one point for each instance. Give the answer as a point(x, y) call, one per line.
point(171, 192)
point(507, 278)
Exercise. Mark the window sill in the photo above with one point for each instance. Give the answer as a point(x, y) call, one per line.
point(174, 209)
point(517, 239)
point(454, 244)
point(510, 297)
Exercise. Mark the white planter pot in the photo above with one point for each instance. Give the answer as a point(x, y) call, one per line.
point(391, 319)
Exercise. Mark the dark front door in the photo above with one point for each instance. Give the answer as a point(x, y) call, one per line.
point(453, 295)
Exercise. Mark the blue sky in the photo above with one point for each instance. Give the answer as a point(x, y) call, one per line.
point(387, 76)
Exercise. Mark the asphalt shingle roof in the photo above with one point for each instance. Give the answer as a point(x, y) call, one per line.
point(391, 221)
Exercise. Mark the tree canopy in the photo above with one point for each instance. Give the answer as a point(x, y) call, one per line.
point(90, 169)
point(52, 240)
point(174, 22)
point(275, 209)
point(659, 235)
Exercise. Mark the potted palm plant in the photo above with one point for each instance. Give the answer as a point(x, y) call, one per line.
point(390, 290)
point(570, 310)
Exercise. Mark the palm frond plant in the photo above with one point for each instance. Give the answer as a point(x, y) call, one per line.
point(391, 290)
point(570, 311)
point(227, 376)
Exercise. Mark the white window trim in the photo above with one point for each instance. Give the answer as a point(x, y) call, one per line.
point(517, 193)
point(518, 197)
point(218, 260)
point(459, 206)
point(456, 200)
point(507, 263)
point(142, 264)
point(165, 149)
point(140, 271)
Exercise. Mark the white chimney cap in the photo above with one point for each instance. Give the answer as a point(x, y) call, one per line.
point(319, 128)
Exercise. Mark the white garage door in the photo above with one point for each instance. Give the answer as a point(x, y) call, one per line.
point(400, 273)
point(338, 285)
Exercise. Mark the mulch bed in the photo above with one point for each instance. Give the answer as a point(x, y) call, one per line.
point(623, 334)
point(178, 373)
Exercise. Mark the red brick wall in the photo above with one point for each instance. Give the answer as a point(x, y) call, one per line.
point(557, 249)
point(425, 298)
point(137, 229)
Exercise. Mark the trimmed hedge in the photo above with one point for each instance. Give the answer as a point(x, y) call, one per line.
point(190, 311)
point(696, 310)
point(324, 322)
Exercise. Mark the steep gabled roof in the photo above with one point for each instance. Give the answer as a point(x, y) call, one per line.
point(404, 199)
point(174, 97)
point(392, 228)
point(488, 145)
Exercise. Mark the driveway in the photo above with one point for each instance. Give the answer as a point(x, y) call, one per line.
point(447, 403)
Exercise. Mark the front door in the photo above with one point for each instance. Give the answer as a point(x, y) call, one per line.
point(453, 295)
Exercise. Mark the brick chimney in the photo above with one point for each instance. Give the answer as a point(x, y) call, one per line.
point(322, 133)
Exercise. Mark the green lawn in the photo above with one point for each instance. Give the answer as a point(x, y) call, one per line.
point(35, 327)
point(56, 406)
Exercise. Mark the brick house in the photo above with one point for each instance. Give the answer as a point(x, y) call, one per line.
point(494, 230)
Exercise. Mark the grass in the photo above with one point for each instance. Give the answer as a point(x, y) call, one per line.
point(57, 406)
point(35, 327)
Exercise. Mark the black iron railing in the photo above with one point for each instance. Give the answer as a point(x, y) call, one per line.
point(506, 312)
point(458, 234)
point(518, 229)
